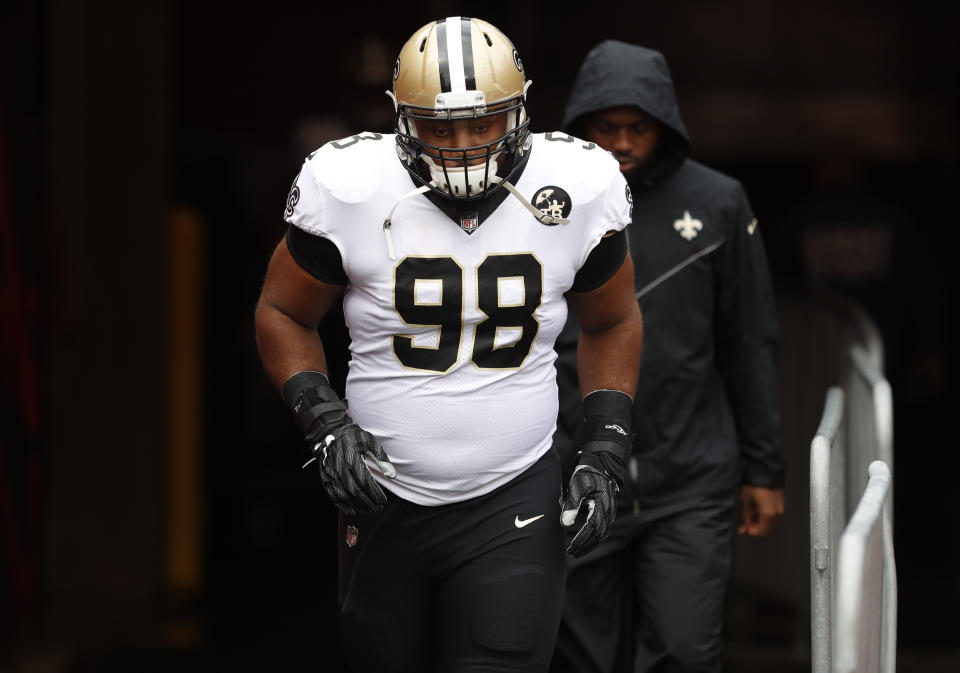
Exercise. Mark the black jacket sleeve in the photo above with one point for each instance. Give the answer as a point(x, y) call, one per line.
point(746, 332)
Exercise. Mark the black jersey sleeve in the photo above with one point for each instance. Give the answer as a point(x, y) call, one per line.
point(602, 262)
point(317, 255)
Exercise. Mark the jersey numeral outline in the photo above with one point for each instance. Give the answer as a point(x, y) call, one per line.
point(559, 136)
point(446, 314)
point(344, 143)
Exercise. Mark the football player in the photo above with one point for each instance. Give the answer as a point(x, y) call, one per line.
point(454, 242)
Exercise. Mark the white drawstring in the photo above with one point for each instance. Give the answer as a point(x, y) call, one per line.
point(387, 222)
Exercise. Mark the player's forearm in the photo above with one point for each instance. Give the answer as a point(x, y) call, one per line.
point(286, 346)
point(609, 360)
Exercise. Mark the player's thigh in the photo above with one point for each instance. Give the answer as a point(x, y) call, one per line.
point(385, 602)
point(683, 568)
point(499, 610)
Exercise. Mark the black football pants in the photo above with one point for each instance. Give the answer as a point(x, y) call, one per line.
point(474, 586)
point(650, 598)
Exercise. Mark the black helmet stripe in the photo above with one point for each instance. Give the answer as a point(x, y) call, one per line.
point(455, 54)
point(466, 48)
point(442, 59)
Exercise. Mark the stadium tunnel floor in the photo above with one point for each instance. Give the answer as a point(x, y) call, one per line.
point(257, 632)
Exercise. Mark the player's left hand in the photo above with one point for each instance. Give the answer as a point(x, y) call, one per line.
point(760, 509)
point(591, 487)
point(600, 468)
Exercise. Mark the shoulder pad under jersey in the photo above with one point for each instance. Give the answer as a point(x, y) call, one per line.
point(352, 169)
point(594, 166)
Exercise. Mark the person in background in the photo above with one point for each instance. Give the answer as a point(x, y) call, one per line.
point(705, 414)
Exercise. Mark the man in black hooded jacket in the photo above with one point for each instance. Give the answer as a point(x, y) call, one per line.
point(705, 415)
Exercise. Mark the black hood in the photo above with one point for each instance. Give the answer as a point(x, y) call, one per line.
point(616, 73)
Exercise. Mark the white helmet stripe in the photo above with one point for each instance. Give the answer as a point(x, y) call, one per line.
point(454, 47)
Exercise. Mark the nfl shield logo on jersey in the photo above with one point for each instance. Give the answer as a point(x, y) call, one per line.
point(469, 223)
point(352, 536)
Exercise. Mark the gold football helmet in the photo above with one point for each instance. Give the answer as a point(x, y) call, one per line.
point(460, 68)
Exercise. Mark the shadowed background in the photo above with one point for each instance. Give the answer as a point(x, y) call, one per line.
point(153, 515)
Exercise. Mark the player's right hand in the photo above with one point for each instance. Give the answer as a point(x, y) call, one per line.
point(338, 445)
point(339, 452)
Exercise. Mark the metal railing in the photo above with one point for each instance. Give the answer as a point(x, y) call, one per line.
point(862, 625)
point(869, 439)
point(826, 523)
point(870, 421)
point(854, 440)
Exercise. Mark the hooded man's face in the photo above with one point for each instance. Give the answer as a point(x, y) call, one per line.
point(626, 131)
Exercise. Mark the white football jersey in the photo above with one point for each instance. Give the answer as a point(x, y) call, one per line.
point(452, 339)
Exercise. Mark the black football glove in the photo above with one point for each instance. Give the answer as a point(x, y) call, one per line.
point(600, 469)
point(337, 444)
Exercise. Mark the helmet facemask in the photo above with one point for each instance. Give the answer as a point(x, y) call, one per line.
point(463, 173)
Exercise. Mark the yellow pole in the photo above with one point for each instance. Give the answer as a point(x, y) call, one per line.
point(185, 402)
